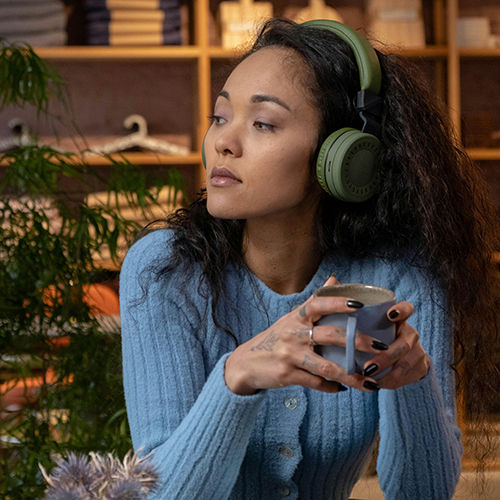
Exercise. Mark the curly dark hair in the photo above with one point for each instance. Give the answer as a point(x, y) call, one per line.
point(433, 205)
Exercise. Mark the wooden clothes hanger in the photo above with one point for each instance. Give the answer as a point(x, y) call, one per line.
point(23, 136)
point(138, 139)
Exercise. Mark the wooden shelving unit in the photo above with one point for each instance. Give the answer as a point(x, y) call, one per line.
point(445, 53)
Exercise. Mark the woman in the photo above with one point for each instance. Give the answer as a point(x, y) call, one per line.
point(221, 377)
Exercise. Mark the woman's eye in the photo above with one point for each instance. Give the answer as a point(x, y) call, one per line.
point(265, 126)
point(215, 118)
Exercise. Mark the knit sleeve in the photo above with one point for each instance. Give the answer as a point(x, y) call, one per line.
point(420, 448)
point(198, 429)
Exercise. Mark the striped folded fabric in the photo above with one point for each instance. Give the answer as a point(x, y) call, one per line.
point(36, 22)
point(128, 4)
point(126, 22)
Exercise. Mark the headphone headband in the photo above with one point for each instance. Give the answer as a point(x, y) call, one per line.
point(370, 74)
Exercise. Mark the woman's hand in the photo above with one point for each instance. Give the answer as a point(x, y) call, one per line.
point(406, 355)
point(283, 354)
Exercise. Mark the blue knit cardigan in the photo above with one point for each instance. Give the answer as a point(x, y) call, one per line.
point(291, 442)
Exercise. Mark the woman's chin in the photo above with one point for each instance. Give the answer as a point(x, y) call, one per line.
point(222, 211)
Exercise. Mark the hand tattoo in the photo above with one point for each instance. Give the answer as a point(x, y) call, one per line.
point(342, 332)
point(397, 353)
point(302, 311)
point(404, 366)
point(267, 344)
point(309, 362)
point(303, 332)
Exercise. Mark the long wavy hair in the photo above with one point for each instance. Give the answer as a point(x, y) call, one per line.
point(433, 202)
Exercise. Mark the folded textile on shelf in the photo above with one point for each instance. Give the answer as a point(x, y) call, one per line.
point(111, 22)
point(20, 9)
point(125, 15)
point(37, 23)
point(129, 4)
point(55, 38)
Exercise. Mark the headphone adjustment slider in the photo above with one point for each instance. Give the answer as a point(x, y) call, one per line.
point(369, 106)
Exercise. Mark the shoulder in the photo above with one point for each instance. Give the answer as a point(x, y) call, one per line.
point(152, 249)
point(150, 277)
point(144, 263)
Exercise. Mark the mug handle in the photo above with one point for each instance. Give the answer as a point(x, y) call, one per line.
point(350, 345)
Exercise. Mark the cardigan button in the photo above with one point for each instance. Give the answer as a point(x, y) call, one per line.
point(291, 403)
point(283, 491)
point(286, 452)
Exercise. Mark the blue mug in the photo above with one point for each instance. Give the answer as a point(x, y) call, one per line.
point(370, 320)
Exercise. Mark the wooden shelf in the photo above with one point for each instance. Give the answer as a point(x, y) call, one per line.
point(479, 52)
point(78, 53)
point(484, 153)
point(429, 52)
point(137, 159)
point(147, 159)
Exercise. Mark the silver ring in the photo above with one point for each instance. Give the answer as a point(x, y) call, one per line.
point(311, 336)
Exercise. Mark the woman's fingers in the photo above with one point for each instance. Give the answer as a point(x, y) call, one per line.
point(407, 338)
point(336, 335)
point(307, 379)
point(315, 307)
point(332, 280)
point(317, 365)
point(412, 367)
point(400, 312)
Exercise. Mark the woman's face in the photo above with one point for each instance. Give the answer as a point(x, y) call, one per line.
point(262, 136)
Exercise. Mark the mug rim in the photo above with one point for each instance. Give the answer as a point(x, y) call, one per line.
point(359, 285)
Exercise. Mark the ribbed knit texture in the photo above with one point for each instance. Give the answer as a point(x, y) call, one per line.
point(292, 442)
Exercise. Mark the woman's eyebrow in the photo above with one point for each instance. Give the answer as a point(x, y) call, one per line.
point(258, 98)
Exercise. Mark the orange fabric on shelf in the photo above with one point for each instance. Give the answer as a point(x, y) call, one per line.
point(101, 299)
point(16, 391)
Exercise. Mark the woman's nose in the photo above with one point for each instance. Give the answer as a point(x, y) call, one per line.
point(228, 142)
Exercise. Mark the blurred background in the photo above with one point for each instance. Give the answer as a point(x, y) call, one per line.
point(122, 109)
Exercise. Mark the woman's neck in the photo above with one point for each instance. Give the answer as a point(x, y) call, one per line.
point(283, 255)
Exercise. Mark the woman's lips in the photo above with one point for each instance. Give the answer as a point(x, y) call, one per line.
point(223, 177)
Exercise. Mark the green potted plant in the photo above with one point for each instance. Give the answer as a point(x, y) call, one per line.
point(49, 332)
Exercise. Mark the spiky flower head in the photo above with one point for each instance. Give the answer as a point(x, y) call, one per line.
point(103, 477)
point(126, 489)
point(139, 469)
point(67, 493)
point(73, 471)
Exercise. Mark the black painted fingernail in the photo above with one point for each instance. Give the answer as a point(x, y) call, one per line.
point(372, 386)
point(376, 344)
point(333, 275)
point(370, 369)
point(355, 304)
point(342, 388)
point(393, 314)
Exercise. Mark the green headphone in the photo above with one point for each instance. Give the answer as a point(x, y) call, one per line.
point(348, 161)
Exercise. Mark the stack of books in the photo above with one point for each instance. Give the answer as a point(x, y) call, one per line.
point(133, 22)
point(39, 23)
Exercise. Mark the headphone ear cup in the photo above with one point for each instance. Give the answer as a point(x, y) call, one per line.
point(348, 165)
point(203, 158)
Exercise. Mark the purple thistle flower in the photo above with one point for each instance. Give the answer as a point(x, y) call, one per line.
point(141, 470)
point(73, 472)
point(126, 489)
point(66, 493)
point(103, 477)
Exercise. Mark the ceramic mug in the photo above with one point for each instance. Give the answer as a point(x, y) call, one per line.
point(371, 320)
